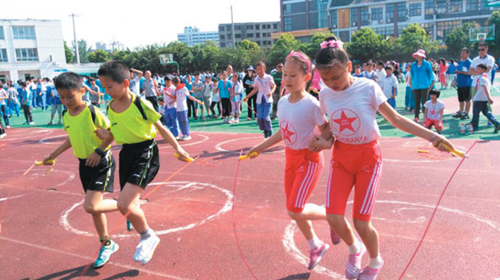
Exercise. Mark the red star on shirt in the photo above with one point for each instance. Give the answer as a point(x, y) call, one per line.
point(286, 133)
point(345, 122)
point(433, 112)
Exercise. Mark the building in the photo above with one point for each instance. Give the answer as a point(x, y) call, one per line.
point(193, 36)
point(385, 17)
point(258, 32)
point(101, 46)
point(35, 48)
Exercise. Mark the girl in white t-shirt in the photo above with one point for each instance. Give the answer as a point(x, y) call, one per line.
point(351, 105)
point(433, 112)
point(236, 95)
point(300, 119)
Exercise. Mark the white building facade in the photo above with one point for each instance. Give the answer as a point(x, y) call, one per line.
point(34, 48)
point(193, 36)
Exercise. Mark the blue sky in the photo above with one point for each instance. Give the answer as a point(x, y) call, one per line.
point(135, 24)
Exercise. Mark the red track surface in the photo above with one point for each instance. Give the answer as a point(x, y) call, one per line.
point(45, 234)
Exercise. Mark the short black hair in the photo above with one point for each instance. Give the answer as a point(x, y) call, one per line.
point(68, 80)
point(482, 66)
point(436, 92)
point(388, 67)
point(115, 70)
point(175, 80)
point(168, 78)
point(465, 49)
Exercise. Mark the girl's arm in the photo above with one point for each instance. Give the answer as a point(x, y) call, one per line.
point(259, 148)
point(194, 99)
point(407, 125)
point(250, 94)
point(425, 113)
point(59, 150)
point(324, 141)
point(167, 135)
point(441, 113)
point(273, 88)
point(488, 94)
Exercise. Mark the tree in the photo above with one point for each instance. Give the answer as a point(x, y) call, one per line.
point(494, 46)
point(366, 44)
point(312, 48)
point(459, 38)
point(283, 46)
point(254, 51)
point(83, 51)
point(98, 56)
point(68, 53)
point(415, 37)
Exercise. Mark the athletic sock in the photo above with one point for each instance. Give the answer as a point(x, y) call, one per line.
point(314, 243)
point(147, 234)
point(375, 262)
point(106, 241)
point(354, 248)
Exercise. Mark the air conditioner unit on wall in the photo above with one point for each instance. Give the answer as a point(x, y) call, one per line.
point(334, 26)
point(389, 20)
point(353, 24)
point(381, 21)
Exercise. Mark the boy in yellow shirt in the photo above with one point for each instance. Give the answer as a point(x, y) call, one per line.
point(97, 165)
point(134, 124)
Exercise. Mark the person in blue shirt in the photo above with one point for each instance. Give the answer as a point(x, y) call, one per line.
point(421, 80)
point(56, 106)
point(26, 99)
point(450, 72)
point(464, 82)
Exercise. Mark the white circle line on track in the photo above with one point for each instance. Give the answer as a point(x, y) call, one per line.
point(226, 208)
point(26, 138)
point(290, 246)
point(184, 144)
point(219, 148)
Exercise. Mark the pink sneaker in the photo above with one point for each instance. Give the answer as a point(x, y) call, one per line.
point(316, 255)
point(370, 273)
point(335, 238)
point(353, 267)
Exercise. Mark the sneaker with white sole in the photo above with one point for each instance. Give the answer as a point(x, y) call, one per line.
point(370, 273)
point(353, 267)
point(130, 227)
point(146, 249)
point(105, 254)
point(186, 137)
point(316, 255)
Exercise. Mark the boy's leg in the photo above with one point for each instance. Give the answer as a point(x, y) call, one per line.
point(96, 206)
point(476, 110)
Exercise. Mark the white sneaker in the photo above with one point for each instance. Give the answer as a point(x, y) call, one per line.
point(237, 120)
point(3, 135)
point(31, 123)
point(186, 137)
point(146, 249)
point(8, 126)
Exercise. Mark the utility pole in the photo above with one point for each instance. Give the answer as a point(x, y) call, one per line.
point(232, 26)
point(74, 38)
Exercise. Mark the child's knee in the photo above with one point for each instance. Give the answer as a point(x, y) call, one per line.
point(90, 208)
point(335, 221)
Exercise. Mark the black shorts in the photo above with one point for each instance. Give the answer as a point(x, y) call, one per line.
point(98, 178)
point(139, 163)
point(463, 94)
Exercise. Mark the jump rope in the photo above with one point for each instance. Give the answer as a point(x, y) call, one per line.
point(190, 161)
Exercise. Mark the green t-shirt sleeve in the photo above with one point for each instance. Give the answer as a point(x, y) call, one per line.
point(150, 111)
point(101, 120)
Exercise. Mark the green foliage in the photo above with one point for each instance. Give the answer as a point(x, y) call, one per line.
point(83, 50)
point(366, 44)
point(415, 37)
point(68, 53)
point(312, 49)
point(283, 46)
point(494, 46)
point(98, 56)
point(459, 38)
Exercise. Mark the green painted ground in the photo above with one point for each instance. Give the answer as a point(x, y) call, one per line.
point(451, 125)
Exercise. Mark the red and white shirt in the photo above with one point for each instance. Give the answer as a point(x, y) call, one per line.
point(169, 101)
point(352, 112)
point(434, 109)
point(264, 86)
point(299, 121)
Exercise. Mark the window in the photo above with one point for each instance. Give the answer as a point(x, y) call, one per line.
point(264, 34)
point(26, 55)
point(400, 29)
point(334, 19)
point(249, 27)
point(257, 35)
point(429, 7)
point(377, 14)
point(250, 35)
point(441, 7)
point(275, 26)
point(237, 36)
point(268, 26)
point(221, 28)
point(222, 45)
point(354, 16)
point(237, 27)
point(264, 43)
point(456, 6)
point(472, 5)
point(23, 32)
point(3, 55)
point(288, 24)
point(257, 27)
point(2, 36)
point(415, 10)
point(287, 9)
point(222, 37)
point(401, 11)
point(443, 28)
point(389, 12)
point(365, 15)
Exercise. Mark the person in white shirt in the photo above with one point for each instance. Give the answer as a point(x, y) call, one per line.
point(351, 105)
point(4, 97)
point(170, 107)
point(381, 73)
point(236, 96)
point(181, 93)
point(264, 86)
point(300, 120)
point(389, 86)
point(482, 99)
point(433, 112)
point(135, 81)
